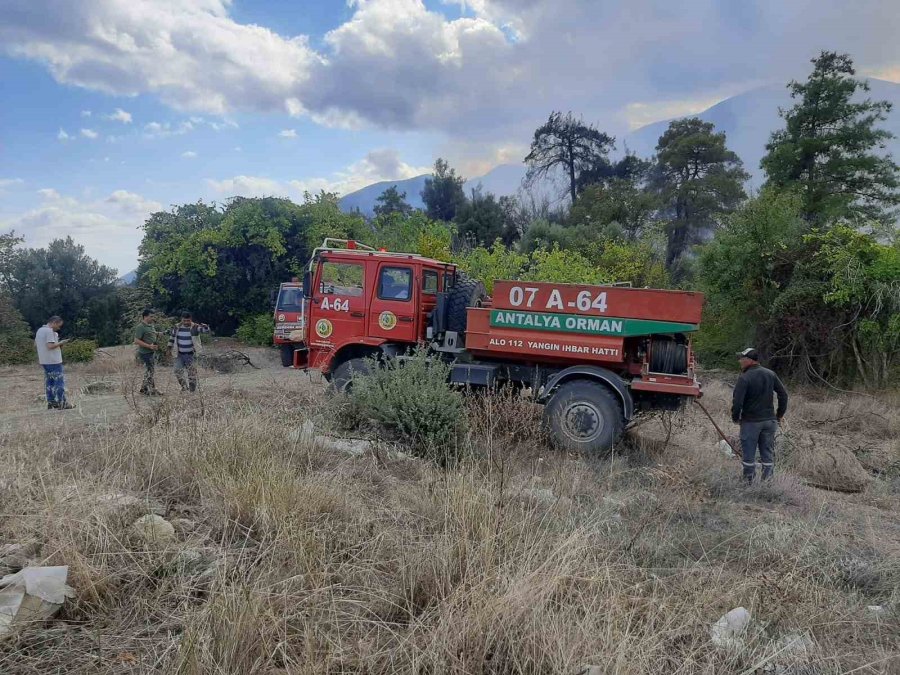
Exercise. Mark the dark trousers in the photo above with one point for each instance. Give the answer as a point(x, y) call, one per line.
point(185, 362)
point(149, 361)
point(758, 435)
point(55, 384)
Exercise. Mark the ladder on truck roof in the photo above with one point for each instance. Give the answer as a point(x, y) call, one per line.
point(353, 246)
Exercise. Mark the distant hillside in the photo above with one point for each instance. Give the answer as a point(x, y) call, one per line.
point(127, 279)
point(502, 180)
point(749, 118)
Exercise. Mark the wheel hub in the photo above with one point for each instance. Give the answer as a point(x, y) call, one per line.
point(582, 421)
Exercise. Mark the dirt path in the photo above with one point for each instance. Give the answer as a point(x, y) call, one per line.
point(116, 377)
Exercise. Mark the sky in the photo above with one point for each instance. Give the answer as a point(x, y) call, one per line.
point(113, 109)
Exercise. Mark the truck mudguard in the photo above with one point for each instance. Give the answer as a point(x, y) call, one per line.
point(591, 372)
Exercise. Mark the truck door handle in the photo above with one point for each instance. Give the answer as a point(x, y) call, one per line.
point(406, 319)
point(358, 315)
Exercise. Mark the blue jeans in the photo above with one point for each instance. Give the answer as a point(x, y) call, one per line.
point(55, 383)
point(185, 362)
point(761, 435)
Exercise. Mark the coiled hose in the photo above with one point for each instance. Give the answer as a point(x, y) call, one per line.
point(668, 356)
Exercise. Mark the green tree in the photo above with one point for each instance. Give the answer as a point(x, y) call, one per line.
point(8, 243)
point(443, 194)
point(223, 263)
point(697, 178)
point(60, 279)
point(16, 345)
point(392, 201)
point(829, 148)
point(620, 202)
point(481, 220)
point(566, 142)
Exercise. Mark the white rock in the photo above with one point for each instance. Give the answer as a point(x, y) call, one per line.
point(728, 631)
point(876, 609)
point(348, 446)
point(33, 594)
point(724, 448)
point(796, 645)
point(153, 529)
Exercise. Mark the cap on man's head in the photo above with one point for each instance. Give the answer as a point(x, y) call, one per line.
point(185, 315)
point(749, 353)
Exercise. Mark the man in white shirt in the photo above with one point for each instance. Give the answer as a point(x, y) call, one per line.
point(49, 349)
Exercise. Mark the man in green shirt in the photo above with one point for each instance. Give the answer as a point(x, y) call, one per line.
point(146, 339)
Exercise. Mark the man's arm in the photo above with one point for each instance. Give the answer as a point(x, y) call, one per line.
point(782, 394)
point(737, 399)
point(146, 345)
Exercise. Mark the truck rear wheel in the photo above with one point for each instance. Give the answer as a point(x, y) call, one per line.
point(287, 355)
point(585, 416)
point(342, 377)
point(466, 293)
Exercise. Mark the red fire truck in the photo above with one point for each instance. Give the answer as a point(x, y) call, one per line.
point(595, 356)
point(289, 320)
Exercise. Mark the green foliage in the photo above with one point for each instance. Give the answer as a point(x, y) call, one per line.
point(412, 396)
point(491, 264)
point(481, 220)
point(829, 149)
point(256, 330)
point(696, 178)
point(392, 201)
point(61, 279)
point(564, 267)
point(823, 304)
point(621, 204)
point(79, 351)
point(566, 143)
point(443, 194)
point(16, 343)
point(222, 264)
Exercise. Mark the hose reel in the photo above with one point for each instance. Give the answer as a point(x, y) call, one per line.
point(669, 356)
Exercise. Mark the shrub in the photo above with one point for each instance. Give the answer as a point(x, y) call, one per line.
point(80, 351)
point(412, 396)
point(256, 330)
point(16, 345)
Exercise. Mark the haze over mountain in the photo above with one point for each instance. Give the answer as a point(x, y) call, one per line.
point(747, 119)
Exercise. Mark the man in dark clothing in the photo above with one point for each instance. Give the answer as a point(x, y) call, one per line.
point(146, 339)
point(182, 342)
point(752, 407)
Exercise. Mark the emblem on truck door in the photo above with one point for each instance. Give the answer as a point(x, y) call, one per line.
point(324, 328)
point(387, 320)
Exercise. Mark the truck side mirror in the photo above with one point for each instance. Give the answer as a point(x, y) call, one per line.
point(307, 284)
point(273, 296)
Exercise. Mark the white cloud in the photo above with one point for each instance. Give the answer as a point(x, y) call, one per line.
point(62, 135)
point(492, 74)
point(166, 129)
point(49, 194)
point(119, 115)
point(288, 133)
point(640, 114)
point(378, 165)
point(7, 183)
point(108, 228)
point(89, 133)
point(86, 113)
point(189, 154)
point(249, 186)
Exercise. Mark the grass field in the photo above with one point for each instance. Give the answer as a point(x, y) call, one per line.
point(292, 555)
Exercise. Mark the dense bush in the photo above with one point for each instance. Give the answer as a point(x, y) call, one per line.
point(412, 396)
point(16, 344)
point(80, 351)
point(256, 330)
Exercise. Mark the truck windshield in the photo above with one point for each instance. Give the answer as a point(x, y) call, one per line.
point(290, 299)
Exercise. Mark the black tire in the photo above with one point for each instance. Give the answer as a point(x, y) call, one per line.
point(466, 293)
point(342, 377)
point(586, 416)
point(287, 355)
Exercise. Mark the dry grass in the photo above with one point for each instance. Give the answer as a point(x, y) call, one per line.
point(291, 558)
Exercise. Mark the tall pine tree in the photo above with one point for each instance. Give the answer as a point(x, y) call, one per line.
point(829, 148)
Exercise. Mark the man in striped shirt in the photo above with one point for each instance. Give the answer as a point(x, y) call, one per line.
point(182, 342)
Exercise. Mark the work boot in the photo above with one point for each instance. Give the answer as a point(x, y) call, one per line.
point(52, 405)
point(65, 406)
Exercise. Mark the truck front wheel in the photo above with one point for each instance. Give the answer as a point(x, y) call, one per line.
point(287, 355)
point(342, 377)
point(584, 416)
